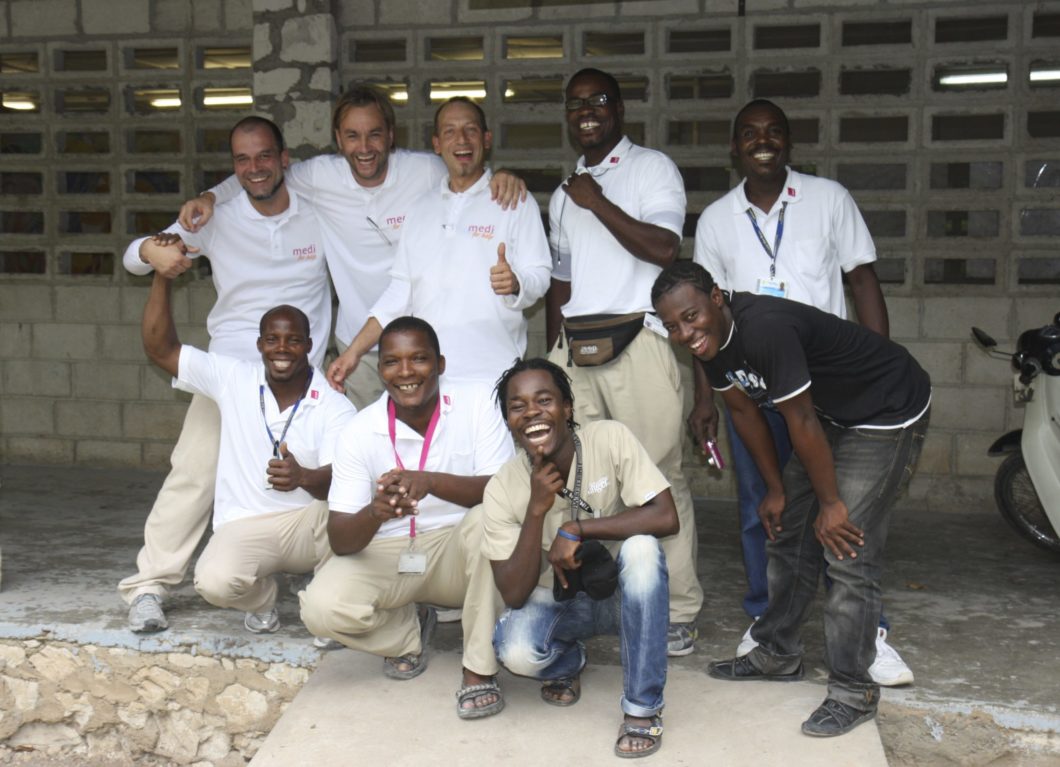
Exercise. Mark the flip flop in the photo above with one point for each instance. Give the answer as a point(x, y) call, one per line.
point(417, 664)
point(563, 684)
point(472, 691)
point(653, 733)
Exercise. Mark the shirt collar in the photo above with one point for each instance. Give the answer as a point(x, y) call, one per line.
point(313, 396)
point(380, 422)
point(618, 154)
point(792, 192)
point(475, 188)
point(252, 213)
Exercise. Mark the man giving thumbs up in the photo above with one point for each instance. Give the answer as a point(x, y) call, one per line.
point(463, 264)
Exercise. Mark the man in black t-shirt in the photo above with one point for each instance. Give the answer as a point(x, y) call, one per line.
point(856, 405)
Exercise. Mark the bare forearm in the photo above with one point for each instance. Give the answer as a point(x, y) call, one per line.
point(657, 517)
point(753, 429)
point(350, 533)
point(517, 576)
point(558, 294)
point(869, 303)
point(317, 482)
point(461, 490)
point(647, 242)
point(811, 446)
point(158, 330)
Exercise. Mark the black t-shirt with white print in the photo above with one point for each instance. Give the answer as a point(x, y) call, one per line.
point(780, 348)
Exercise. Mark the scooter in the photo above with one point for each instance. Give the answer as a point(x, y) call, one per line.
point(1027, 485)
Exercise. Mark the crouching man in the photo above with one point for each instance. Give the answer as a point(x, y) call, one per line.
point(279, 425)
point(405, 522)
point(856, 406)
point(546, 513)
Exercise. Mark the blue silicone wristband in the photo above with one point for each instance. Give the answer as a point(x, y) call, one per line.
point(569, 536)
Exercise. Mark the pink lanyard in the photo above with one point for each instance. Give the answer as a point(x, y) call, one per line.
point(391, 415)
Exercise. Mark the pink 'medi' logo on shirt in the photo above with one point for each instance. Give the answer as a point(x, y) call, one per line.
point(308, 253)
point(477, 230)
point(395, 222)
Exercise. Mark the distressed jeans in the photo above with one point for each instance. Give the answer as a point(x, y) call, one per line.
point(872, 466)
point(542, 639)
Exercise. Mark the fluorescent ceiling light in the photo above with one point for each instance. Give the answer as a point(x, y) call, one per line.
point(20, 103)
point(166, 102)
point(975, 78)
point(1044, 75)
point(470, 93)
point(232, 100)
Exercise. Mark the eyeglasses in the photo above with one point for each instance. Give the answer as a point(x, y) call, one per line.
point(596, 100)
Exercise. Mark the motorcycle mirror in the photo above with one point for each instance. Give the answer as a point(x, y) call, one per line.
point(983, 338)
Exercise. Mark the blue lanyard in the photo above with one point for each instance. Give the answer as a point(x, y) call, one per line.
point(283, 435)
point(771, 252)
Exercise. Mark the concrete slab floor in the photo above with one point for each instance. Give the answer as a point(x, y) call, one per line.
point(975, 610)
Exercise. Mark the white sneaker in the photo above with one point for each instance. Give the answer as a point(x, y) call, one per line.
point(262, 623)
point(146, 616)
point(889, 670)
point(746, 642)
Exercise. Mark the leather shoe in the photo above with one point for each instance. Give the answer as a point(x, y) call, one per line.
point(742, 670)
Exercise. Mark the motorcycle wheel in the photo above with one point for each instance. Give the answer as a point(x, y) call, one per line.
point(1020, 505)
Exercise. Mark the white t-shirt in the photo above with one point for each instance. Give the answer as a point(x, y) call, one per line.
point(824, 236)
point(258, 262)
point(442, 274)
point(469, 440)
point(360, 225)
point(605, 278)
point(236, 386)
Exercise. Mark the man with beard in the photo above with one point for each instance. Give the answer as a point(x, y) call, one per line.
point(362, 196)
point(784, 233)
point(406, 523)
point(615, 223)
point(263, 244)
point(279, 426)
point(544, 510)
point(463, 264)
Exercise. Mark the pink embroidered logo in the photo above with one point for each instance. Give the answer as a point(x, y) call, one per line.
point(314, 394)
point(308, 253)
point(485, 232)
point(615, 160)
point(791, 191)
point(395, 222)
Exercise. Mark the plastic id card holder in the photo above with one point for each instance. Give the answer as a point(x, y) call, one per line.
point(767, 286)
point(412, 562)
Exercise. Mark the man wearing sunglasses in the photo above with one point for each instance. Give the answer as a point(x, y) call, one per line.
point(615, 223)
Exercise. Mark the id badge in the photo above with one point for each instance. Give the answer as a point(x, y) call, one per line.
point(412, 562)
point(655, 325)
point(767, 286)
point(267, 485)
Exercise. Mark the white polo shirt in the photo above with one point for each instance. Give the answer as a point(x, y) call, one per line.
point(469, 440)
point(824, 236)
point(442, 274)
point(360, 225)
point(605, 278)
point(245, 452)
point(258, 262)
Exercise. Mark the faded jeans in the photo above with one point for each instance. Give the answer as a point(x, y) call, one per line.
point(872, 466)
point(542, 639)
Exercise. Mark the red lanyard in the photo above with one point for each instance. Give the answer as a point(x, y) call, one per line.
point(391, 415)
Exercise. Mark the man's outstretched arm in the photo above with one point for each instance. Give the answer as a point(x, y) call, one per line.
point(157, 328)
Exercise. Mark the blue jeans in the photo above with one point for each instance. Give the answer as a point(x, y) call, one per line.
point(542, 639)
point(750, 492)
point(872, 466)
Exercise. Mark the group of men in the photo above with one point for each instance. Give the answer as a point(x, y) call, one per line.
point(543, 498)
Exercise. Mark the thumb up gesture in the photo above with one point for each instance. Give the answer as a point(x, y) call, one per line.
point(285, 473)
point(502, 278)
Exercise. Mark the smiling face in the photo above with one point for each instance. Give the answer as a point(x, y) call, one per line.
point(761, 145)
point(258, 162)
point(596, 130)
point(409, 368)
point(538, 415)
point(462, 143)
point(285, 344)
point(364, 140)
point(695, 319)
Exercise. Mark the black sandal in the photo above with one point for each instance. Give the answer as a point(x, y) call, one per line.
point(571, 684)
point(417, 664)
point(653, 733)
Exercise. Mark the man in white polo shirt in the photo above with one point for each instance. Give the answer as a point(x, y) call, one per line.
point(406, 520)
point(264, 245)
point(362, 196)
point(464, 264)
point(279, 425)
point(784, 233)
point(614, 224)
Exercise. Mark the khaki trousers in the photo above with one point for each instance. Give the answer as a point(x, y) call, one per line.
point(363, 386)
point(181, 512)
point(642, 389)
point(363, 602)
point(236, 567)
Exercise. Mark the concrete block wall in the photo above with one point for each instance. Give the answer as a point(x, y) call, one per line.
point(965, 236)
